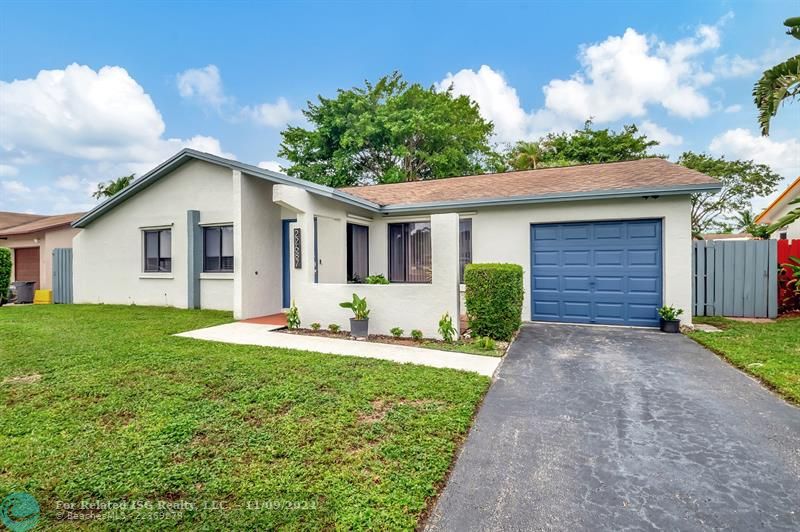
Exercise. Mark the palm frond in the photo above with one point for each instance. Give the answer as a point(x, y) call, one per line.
point(776, 85)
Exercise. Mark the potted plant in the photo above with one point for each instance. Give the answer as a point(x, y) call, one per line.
point(359, 323)
point(669, 319)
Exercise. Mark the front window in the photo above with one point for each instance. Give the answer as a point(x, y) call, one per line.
point(357, 253)
point(410, 252)
point(158, 250)
point(218, 248)
point(464, 246)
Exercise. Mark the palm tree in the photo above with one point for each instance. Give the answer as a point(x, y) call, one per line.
point(778, 83)
point(525, 155)
point(744, 220)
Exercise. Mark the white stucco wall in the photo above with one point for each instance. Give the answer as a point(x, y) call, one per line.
point(409, 306)
point(108, 261)
point(257, 248)
point(502, 234)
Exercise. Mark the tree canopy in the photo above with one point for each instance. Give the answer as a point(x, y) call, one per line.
point(741, 182)
point(106, 189)
point(581, 146)
point(387, 132)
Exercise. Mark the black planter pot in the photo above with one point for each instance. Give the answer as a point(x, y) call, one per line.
point(359, 328)
point(670, 326)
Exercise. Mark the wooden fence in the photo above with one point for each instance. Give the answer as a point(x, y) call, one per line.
point(735, 278)
point(62, 275)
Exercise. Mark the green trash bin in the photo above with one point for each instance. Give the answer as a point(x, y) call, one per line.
point(24, 291)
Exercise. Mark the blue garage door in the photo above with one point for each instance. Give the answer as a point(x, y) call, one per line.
point(602, 272)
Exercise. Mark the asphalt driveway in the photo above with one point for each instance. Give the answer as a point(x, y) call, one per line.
point(593, 428)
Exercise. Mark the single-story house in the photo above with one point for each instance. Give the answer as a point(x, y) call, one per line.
point(32, 239)
point(780, 207)
point(726, 236)
point(601, 244)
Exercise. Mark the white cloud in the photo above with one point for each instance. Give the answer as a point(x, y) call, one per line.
point(202, 84)
point(661, 134)
point(275, 115)
point(270, 165)
point(739, 143)
point(15, 188)
point(620, 77)
point(735, 108)
point(6, 170)
point(94, 125)
point(735, 66)
point(68, 182)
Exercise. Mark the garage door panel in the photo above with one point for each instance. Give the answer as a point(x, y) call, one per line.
point(576, 258)
point(611, 257)
point(604, 272)
point(572, 283)
point(576, 232)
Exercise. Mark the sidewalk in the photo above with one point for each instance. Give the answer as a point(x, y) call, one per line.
point(265, 335)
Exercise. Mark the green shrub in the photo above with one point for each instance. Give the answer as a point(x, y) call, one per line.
point(494, 299)
point(334, 328)
point(446, 328)
point(315, 326)
point(5, 273)
point(293, 317)
point(397, 332)
point(416, 334)
point(376, 279)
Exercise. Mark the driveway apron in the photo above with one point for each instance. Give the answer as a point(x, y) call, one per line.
point(596, 428)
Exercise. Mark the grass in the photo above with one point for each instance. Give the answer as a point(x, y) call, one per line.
point(768, 351)
point(224, 436)
point(461, 346)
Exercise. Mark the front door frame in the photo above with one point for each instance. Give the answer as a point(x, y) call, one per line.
point(287, 260)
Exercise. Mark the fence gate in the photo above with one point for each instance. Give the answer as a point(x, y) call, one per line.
point(738, 278)
point(62, 275)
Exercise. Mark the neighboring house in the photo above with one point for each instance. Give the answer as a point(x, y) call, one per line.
point(780, 207)
point(604, 243)
point(727, 236)
point(32, 239)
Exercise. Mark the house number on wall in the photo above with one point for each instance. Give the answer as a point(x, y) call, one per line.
point(296, 238)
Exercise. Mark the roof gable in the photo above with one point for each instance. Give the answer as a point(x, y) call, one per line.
point(791, 192)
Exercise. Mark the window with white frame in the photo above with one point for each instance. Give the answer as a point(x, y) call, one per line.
point(464, 246)
point(357, 253)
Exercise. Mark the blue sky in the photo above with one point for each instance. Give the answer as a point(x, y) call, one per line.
point(92, 90)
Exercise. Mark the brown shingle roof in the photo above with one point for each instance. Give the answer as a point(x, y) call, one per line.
point(12, 219)
point(643, 174)
point(42, 223)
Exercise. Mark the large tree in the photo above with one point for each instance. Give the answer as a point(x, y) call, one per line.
point(741, 182)
point(387, 132)
point(779, 83)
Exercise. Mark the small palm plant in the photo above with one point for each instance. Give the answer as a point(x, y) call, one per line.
point(359, 323)
point(293, 317)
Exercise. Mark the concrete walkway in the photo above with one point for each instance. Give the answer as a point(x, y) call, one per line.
point(265, 335)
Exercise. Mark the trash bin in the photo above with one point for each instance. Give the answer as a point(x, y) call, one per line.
point(24, 291)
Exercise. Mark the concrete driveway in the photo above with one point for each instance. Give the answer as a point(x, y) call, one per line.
point(593, 428)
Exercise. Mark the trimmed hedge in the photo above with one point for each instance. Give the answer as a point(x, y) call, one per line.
point(5, 273)
point(494, 299)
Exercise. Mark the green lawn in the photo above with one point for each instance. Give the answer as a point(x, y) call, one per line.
point(769, 351)
point(125, 413)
